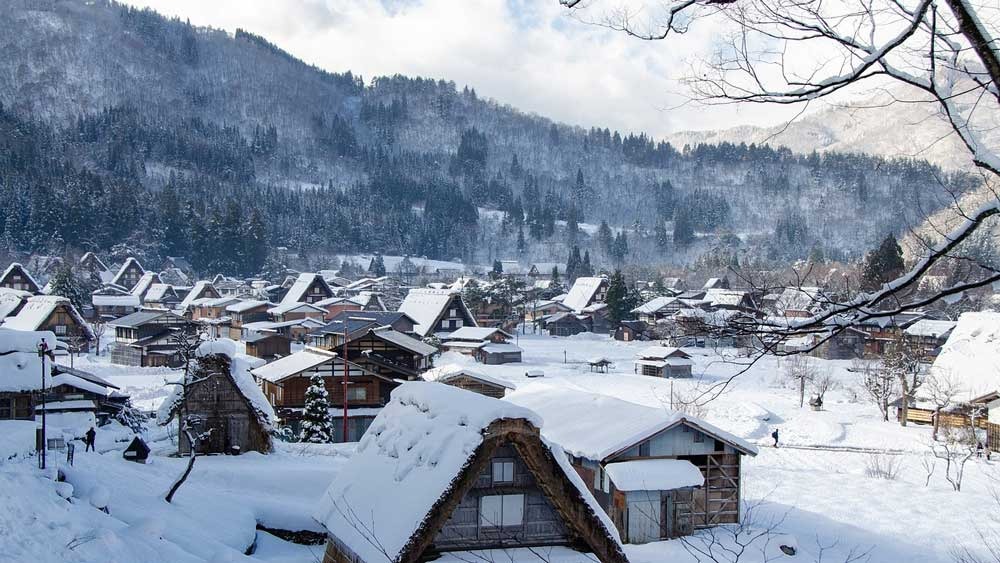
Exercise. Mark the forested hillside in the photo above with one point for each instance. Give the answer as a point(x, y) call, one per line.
point(120, 127)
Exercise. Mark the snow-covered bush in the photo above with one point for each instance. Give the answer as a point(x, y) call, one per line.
point(316, 425)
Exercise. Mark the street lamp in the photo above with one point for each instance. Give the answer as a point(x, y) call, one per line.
point(43, 350)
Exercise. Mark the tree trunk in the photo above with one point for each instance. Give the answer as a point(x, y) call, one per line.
point(193, 447)
point(904, 407)
point(802, 392)
point(934, 432)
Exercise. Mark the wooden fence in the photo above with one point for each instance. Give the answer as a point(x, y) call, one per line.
point(993, 436)
point(926, 416)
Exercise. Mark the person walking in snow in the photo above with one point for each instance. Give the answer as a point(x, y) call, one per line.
point(90, 438)
point(775, 436)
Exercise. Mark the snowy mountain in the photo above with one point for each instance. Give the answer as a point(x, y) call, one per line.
point(187, 141)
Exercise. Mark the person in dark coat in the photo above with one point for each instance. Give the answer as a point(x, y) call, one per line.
point(775, 436)
point(90, 438)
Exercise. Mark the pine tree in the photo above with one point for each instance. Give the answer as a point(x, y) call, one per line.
point(573, 265)
point(683, 230)
point(317, 427)
point(65, 284)
point(556, 287)
point(605, 237)
point(521, 244)
point(882, 264)
point(586, 269)
point(497, 271)
point(619, 307)
point(377, 268)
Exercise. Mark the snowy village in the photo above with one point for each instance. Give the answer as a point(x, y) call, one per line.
point(692, 281)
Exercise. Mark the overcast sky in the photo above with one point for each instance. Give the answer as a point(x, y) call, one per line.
point(526, 53)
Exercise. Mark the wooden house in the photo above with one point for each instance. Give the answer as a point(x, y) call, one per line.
point(307, 288)
point(848, 344)
point(534, 312)
point(113, 301)
point(11, 301)
point(142, 339)
point(378, 359)
point(630, 331)
point(146, 281)
point(267, 345)
point(486, 345)
point(494, 484)
point(585, 292)
point(21, 372)
point(661, 361)
point(296, 310)
point(729, 299)
point(210, 313)
point(129, 274)
point(241, 313)
point(470, 380)
point(76, 391)
point(331, 334)
point(178, 262)
point(225, 401)
point(436, 311)
point(17, 277)
point(56, 314)
point(94, 266)
point(296, 330)
point(565, 324)
point(660, 308)
point(928, 336)
point(200, 290)
point(882, 331)
point(658, 474)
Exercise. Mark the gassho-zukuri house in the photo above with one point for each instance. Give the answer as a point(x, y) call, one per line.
point(444, 471)
point(658, 474)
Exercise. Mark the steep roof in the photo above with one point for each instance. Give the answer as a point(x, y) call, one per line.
point(448, 372)
point(140, 318)
point(930, 328)
point(403, 341)
point(196, 292)
point(158, 292)
point(121, 271)
point(427, 306)
point(293, 364)
point(38, 309)
point(583, 292)
point(419, 448)
point(476, 333)
point(145, 282)
point(298, 289)
point(17, 266)
point(654, 305)
point(596, 426)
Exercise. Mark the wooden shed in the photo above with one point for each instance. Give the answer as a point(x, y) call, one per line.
point(470, 380)
point(225, 399)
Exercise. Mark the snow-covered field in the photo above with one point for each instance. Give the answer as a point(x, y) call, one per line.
point(813, 489)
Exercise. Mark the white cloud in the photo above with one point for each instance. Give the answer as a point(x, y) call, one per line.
point(526, 53)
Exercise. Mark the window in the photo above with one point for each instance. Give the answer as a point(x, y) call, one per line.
point(503, 471)
point(453, 313)
point(501, 511)
point(6, 412)
point(357, 393)
point(699, 437)
point(644, 449)
point(60, 330)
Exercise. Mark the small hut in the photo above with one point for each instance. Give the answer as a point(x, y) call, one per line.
point(223, 400)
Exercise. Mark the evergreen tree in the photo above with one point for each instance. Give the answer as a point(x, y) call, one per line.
point(521, 244)
point(586, 269)
point(573, 265)
point(605, 237)
point(317, 427)
point(572, 225)
point(377, 268)
point(619, 308)
point(660, 232)
point(556, 286)
point(683, 230)
point(882, 264)
point(65, 284)
point(497, 271)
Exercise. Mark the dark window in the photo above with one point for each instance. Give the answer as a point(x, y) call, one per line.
point(699, 437)
point(644, 449)
point(719, 446)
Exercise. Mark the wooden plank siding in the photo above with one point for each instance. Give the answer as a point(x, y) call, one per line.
point(926, 416)
point(993, 437)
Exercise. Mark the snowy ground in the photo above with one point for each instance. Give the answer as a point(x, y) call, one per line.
point(814, 488)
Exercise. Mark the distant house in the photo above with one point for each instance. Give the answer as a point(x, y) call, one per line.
point(486, 345)
point(296, 330)
point(585, 292)
point(142, 339)
point(141, 287)
point(717, 283)
point(929, 336)
point(225, 399)
point(661, 361)
point(200, 290)
point(16, 277)
point(129, 274)
point(533, 312)
point(113, 301)
point(296, 310)
point(363, 301)
point(21, 372)
point(210, 313)
point(470, 380)
point(494, 484)
point(52, 313)
point(629, 331)
point(797, 302)
point(307, 288)
point(847, 344)
point(76, 391)
point(659, 308)
point(93, 265)
point(436, 311)
point(267, 345)
point(729, 299)
point(161, 295)
point(178, 262)
point(674, 285)
point(565, 324)
point(658, 474)
point(884, 330)
point(11, 301)
point(241, 313)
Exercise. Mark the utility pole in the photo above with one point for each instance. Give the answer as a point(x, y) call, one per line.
point(344, 360)
point(43, 350)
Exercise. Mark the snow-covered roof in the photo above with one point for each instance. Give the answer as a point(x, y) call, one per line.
point(27, 274)
point(20, 366)
point(293, 306)
point(268, 325)
point(448, 372)
point(725, 297)
point(492, 348)
point(654, 305)
point(245, 305)
point(476, 333)
point(10, 301)
point(426, 306)
point(240, 366)
point(654, 474)
point(293, 364)
point(121, 271)
point(799, 299)
point(596, 426)
point(411, 456)
point(930, 328)
point(145, 282)
point(158, 291)
point(662, 353)
point(298, 289)
point(404, 341)
point(38, 309)
point(583, 292)
point(971, 355)
point(114, 300)
point(195, 293)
